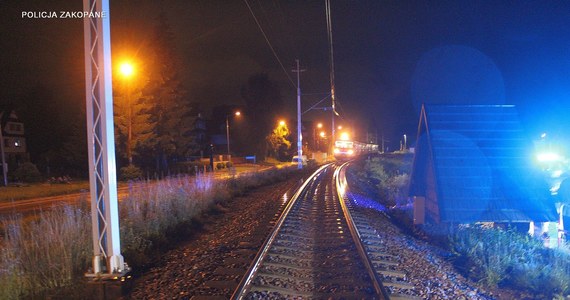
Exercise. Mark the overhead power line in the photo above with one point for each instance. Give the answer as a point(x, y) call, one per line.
point(331, 54)
point(270, 46)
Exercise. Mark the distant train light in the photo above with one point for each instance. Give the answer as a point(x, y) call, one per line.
point(344, 136)
point(350, 152)
point(548, 157)
point(336, 150)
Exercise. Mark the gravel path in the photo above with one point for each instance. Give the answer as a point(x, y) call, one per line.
point(213, 262)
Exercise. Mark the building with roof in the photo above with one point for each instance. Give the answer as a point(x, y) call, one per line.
point(13, 139)
point(474, 163)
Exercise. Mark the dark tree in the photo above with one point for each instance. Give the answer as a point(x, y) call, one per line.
point(171, 110)
point(74, 150)
point(55, 132)
point(41, 112)
point(264, 104)
point(278, 143)
point(132, 112)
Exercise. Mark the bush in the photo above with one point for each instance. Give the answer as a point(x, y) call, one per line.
point(504, 257)
point(188, 167)
point(229, 164)
point(27, 172)
point(220, 165)
point(130, 172)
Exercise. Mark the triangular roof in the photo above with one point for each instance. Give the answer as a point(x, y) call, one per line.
point(7, 113)
point(482, 165)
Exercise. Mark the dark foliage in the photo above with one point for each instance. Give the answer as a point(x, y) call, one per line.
point(27, 172)
point(263, 99)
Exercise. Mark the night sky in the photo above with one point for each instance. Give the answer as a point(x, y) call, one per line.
point(390, 56)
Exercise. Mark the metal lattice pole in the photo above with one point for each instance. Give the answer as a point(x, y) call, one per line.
point(107, 258)
point(299, 123)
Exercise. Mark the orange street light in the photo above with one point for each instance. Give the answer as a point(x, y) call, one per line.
point(127, 69)
point(320, 125)
point(322, 134)
point(237, 114)
point(281, 123)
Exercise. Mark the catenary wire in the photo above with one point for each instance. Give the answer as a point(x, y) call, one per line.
point(269, 44)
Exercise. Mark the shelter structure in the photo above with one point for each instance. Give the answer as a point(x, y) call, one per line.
point(473, 163)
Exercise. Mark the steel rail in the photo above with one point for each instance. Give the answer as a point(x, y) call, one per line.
point(243, 287)
point(340, 180)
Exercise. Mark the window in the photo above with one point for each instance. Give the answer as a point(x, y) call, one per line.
point(15, 127)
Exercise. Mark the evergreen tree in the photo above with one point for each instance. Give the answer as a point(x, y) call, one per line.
point(171, 108)
point(132, 111)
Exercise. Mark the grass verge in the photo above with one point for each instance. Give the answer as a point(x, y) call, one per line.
point(12, 193)
point(53, 251)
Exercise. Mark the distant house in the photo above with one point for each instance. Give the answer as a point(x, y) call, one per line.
point(13, 139)
point(474, 164)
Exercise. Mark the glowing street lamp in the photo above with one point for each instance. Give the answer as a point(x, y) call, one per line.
point(127, 70)
point(237, 114)
point(281, 123)
point(320, 125)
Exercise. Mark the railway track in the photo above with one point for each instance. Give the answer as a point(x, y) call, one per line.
point(314, 251)
point(384, 259)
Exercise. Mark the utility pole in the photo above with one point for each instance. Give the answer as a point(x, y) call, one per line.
point(228, 135)
point(107, 259)
point(331, 75)
point(299, 134)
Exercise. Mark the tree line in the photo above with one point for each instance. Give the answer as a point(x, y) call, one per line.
point(155, 110)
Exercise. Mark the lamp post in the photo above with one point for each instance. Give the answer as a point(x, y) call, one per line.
point(127, 70)
point(4, 167)
point(316, 139)
point(237, 113)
